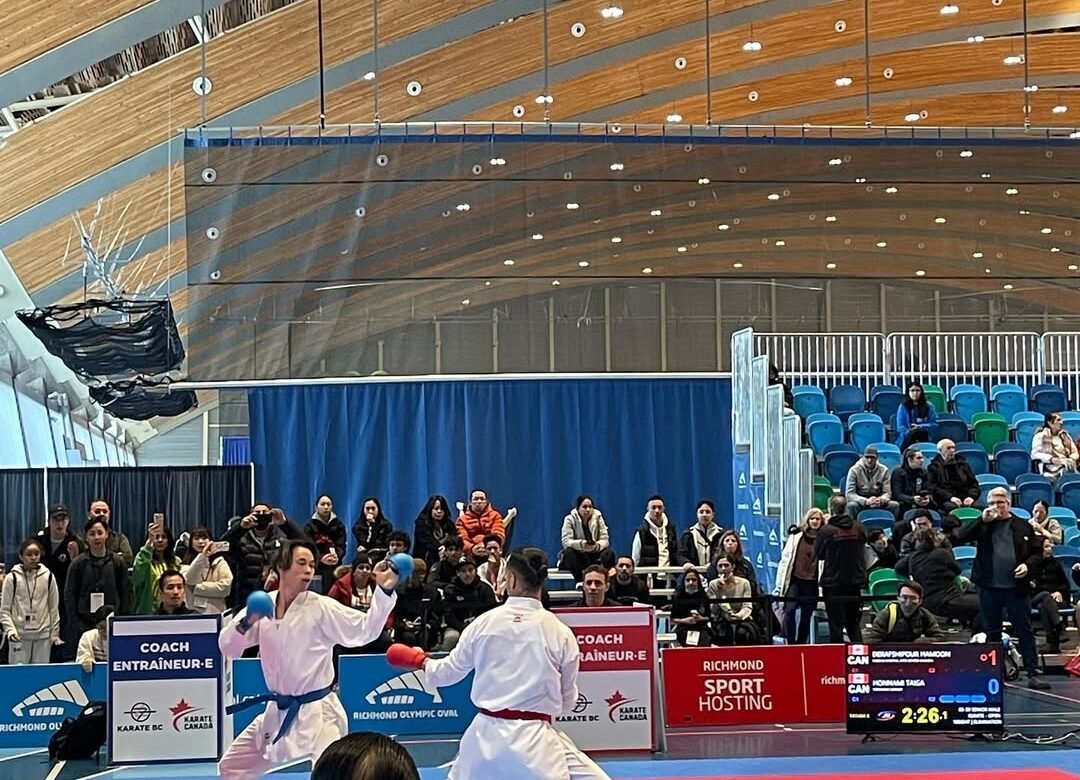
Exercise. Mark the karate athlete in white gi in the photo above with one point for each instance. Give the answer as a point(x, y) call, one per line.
point(303, 715)
point(526, 664)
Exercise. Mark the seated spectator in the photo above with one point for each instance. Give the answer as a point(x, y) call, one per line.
point(731, 547)
point(690, 612)
point(61, 547)
point(478, 521)
point(732, 621)
point(1049, 593)
point(253, 541)
point(365, 755)
point(372, 529)
point(916, 419)
point(30, 608)
point(97, 577)
point(880, 554)
point(867, 485)
point(905, 620)
point(327, 531)
point(655, 543)
point(172, 589)
point(433, 527)
point(626, 588)
point(910, 483)
point(418, 614)
point(208, 576)
point(398, 542)
point(775, 378)
point(118, 543)
point(493, 570)
point(934, 567)
point(94, 643)
point(920, 521)
point(445, 569)
point(467, 597)
point(699, 545)
point(595, 588)
point(152, 560)
point(585, 539)
point(797, 576)
point(356, 588)
point(841, 548)
point(1044, 525)
point(952, 482)
point(1054, 449)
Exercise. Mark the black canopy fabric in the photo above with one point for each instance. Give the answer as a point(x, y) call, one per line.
point(142, 399)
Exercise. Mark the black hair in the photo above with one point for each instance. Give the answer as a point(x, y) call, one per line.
point(1048, 417)
point(399, 536)
point(705, 502)
point(95, 521)
point(656, 497)
point(165, 578)
point(168, 555)
point(917, 513)
point(910, 453)
point(595, 568)
point(378, 510)
point(920, 407)
point(493, 538)
point(736, 557)
point(1046, 506)
point(531, 564)
point(875, 534)
point(361, 559)
point(435, 498)
point(911, 585)
point(284, 559)
point(365, 756)
point(103, 612)
point(582, 498)
point(455, 542)
point(27, 542)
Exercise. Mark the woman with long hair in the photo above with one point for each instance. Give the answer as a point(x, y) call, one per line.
point(153, 559)
point(208, 576)
point(1054, 448)
point(797, 577)
point(916, 417)
point(432, 528)
point(372, 528)
point(690, 612)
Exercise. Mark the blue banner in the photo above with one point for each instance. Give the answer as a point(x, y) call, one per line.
point(247, 682)
point(35, 699)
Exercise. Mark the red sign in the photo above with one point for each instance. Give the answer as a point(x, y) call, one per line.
point(727, 686)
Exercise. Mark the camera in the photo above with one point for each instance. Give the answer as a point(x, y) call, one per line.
point(262, 520)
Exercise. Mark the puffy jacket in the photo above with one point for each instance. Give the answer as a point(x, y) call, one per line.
point(688, 544)
point(57, 559)
point(30, 595)
point(372, 536)
point(473, 528)
point(786, 568)
point(464, 602)
point(107, 575)
point(250, 556)
point(840, 547)
point(573, 531)
point(952, 479)
point(209, 582)
point(645, 550)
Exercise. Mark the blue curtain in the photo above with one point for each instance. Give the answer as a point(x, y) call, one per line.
point(235, 450)
point(534, 444)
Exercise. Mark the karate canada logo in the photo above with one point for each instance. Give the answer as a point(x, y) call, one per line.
point(188, 718)
point(622, 708)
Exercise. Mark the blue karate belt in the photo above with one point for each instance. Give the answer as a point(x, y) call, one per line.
point(291, 705)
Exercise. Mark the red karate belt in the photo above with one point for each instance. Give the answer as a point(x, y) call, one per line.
point(516, 715)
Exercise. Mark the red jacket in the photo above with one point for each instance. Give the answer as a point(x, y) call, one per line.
point(473, 529)
point(342, 592)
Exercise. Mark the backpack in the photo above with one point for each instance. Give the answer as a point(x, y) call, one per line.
point(82, 737)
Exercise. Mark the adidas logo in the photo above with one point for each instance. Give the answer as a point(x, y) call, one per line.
point(51, 701)
point(396, 691)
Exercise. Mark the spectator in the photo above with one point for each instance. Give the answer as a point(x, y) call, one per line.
point(208, 576)
point(94, 642)
point(920, 521)
point(916, 418)
point(775, 378)
point(445, 569)
point(253, 541)
point(356, 588)
point(867, 484)
point(699, 545)
point(96, 578)
point(625, 588)
point(1054, 449)
point(910, 483)
point(1006, 551)
point(905, 620)
point(371, 531)
point(327, 531)
point(797, 577)
point(418, 613)
point(595, 588)
point(171, 590)
point(479, 521)
point(118, 543)
point(732, 621)
point(493, 570)
point(1044, 525)
point(585, 539)
point(690, 612)
point(1050, 592)
point(655, 543)
point(839, 546)
point(731, 546)
point(467, 597)
point(365, 756)
point(934, 567)
point(952, 482)
point(398, 542)
point(432, 529)
point(30, 608)
point(880, 554)
point(154, 558)
point(61, 548)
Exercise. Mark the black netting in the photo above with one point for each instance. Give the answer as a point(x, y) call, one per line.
point(143, 399)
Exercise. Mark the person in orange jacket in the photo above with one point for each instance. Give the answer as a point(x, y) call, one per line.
point(478, 520)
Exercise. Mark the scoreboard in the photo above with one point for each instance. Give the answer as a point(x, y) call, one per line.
point(920, 688)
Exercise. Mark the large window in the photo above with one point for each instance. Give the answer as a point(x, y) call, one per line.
point(12, 449)
point(37, 432)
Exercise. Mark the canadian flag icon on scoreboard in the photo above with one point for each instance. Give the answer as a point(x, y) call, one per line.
point(858, 650)
point(858, 679)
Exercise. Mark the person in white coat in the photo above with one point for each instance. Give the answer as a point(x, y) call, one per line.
point(303, 715)
point(526, 665)
point(585, 539)
point(797, 577)
point(208, 577)
point(30, 607)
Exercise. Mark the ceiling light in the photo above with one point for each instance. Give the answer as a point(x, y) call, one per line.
point(830, 266)
point(1059, 109)
point(891, 190)
point(977, 255)
point(912, 117)
point(861, 180)
point(616, 240)
point(616, 166)
point(466, 302)
point(583, 263)
point(369, 76)
point(673, 117)
point(1031, 88)
point(1011, 191)
point(843, 81)
point(1023, 212)
point(949, 10)
point(881, 244)
point(1047, 231)
point(985, 175)
point(1006, 286)
point(836, 161)
point(1074, 134)
point(611, 12)
point(555, 282)
point(920, 273)
point(487, 283)
point(508, 262)
point(986, 270)
point(774, 196)
point(703, 180)
point(680, 249)
point(752, 46)
point(831, 218)
point(966, 153)
point(1073, 267)
point(497, 161)
point(646, 270)
point(781, 242)
point(572, 206)
point(736, 265)
point(975, 39)
point(723, 226)
point(538, 236)
point(655, 213)
point(940, 220)
point(541, 99)
point(1014, 59)
point(1055, 249)
point(462, 207)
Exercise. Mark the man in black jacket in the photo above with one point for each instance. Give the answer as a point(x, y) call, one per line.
point(935, 569)
point(467, 597)
point(595, 588)
point(253, 541)
point(952, 482)
point(840, 546)
point(61, 547)
point(910, 483)
point(1006, 551)
point(444, 570)
point(418, 613)
point(625, 587)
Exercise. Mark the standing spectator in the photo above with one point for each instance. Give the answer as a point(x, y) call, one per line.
point(585, 539)
point(839, 546)
point(467, 597)
point(432, 529)
point(690, 612)
point(96, 578)
point(493, 570)
point(910, 483)
point(732, 621)
point(625, 588)
point(1050, 592)
point(797, 577)
point(595, 588)
point(117, 543)
point(328, 532)
point(253, 541)
point(1006, 551)
point(952, 482)
point(905, 620)
point(1054, 449)
point(30, 608)
point(445, 569)
point(171, 589)
point(371, 531)
point(398, 542)
point(61, 548)
point(94, 643)
point(934, 567)
point(152, 560)
point(655, 543)
point(880, 554)
point(1044, 525)
point(208, 576)
point(701, 541)
point(418, 612)
point(916, 418)
point(480, 520)
point(867, 484)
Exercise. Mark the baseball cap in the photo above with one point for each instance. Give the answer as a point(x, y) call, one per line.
point(871, 450)
point(58, 509)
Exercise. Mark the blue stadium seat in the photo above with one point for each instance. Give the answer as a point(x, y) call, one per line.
point(888, 454)
point(838, 460)
point(967, 400)
point(1008, 399)
point(822, 430)
point(975, 455)
point(1011, 460)
point(865, 428)
point(1020, 512)
point(952, 426)
point(846, 400)
point(1064, 515)
point(807, 400)
point(1025, 424)
point(1031, 488)
point(1072, 537)
point(988, 481)
point(885, 400)
point(1072, 423)
point(1047, 398)
point(877, 518)
point(1069, 486)
point(928, 449)
point(965, 557)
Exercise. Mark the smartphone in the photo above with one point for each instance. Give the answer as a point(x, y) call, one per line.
point(222, 546)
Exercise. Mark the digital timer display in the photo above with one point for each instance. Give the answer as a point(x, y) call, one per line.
point(923, 687)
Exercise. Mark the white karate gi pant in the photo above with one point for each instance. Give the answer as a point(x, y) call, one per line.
point(245, 758)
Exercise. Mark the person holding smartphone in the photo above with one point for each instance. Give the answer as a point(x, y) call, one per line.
point(153, 559)
point(253, 540)
point(207, 576)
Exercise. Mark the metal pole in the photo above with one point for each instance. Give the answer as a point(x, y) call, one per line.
point(663, 326)
point(607, 328)
point(719, 330)
point(322, 64)
point(551, 333)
